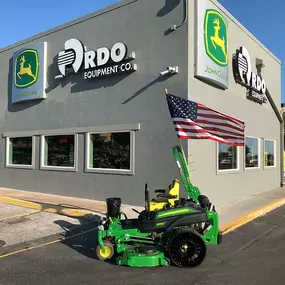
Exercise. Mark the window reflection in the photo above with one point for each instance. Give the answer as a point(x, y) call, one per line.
point(21, 151)
point(252, 152)
point(227, 156)
point(110, 150)
point(59, 150)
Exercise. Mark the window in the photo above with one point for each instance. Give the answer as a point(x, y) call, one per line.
point(59, 152)
point(269, 153)
point(20, 152)
point(252, 149)
point(227, 157)
point(110, 152)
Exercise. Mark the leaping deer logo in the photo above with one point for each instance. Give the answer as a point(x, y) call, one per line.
point(25, 70)
point(216, 40)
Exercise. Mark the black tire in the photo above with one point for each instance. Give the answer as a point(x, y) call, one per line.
point(110, 251)
point(186, 248)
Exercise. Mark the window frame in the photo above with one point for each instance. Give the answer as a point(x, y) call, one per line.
point(275, 159)
point(59, 168)
point(227, 171)
point(259, 155)
point(88, 169)
point(7, 153)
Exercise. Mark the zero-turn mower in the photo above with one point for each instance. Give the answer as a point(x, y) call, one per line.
point(169, 231)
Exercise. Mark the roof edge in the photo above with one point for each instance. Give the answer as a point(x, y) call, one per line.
point(69, 24)
point(228, 14)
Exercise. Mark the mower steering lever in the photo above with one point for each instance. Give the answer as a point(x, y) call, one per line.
point(168, 196)
point(159, 191)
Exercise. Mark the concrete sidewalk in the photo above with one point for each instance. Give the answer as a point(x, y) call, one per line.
point(70, 206)
point(229, 214)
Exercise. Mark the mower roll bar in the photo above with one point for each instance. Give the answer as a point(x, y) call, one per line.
point(192, 191)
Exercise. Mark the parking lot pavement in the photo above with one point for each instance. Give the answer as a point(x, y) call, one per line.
point(18, 225)
point(251, 254)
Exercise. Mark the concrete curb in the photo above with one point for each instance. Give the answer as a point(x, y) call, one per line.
point(42, 207)
point(251, 215)
point(87, 214)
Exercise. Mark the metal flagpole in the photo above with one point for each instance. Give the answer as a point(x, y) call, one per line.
point(181, 147)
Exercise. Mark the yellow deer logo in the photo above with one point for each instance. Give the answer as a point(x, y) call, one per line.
point(216, 40)
point(25, 70)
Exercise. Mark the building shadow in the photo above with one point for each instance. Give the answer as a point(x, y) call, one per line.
point(144, 88)
point(168, 7)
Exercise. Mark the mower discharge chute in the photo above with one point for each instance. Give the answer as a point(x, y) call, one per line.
point(170, 230)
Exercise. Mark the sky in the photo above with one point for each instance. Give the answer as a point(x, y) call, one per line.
point(264, 19)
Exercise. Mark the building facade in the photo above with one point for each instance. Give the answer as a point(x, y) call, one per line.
point(84, 112)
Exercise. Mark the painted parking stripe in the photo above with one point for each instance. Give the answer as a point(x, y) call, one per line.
point(18, 215)
point(47, 243)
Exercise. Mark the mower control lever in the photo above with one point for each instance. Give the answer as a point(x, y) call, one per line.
point(159, 191)
point(135, 210)
point(168, 196)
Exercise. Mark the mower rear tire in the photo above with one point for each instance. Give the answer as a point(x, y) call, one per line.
point(186, 247)
point(101, 255)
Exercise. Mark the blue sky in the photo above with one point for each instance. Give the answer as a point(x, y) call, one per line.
point(263, 20)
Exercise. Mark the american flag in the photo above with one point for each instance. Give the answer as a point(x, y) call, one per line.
point(193, 120)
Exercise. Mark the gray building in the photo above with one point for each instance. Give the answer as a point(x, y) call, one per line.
point(83, 110)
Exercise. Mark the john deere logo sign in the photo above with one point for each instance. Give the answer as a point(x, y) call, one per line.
point(216, 37)
point(26, 68)
point(29, 73)
point(212, 44)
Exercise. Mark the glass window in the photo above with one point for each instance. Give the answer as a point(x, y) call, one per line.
point(251, 152)
point(110, 151)
point(59, 150)
point(269, 153)
point(20, 151)
point(227, 157)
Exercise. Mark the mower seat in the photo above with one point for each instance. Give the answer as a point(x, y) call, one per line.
point(165, 197)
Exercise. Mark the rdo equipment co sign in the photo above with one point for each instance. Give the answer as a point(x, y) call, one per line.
point(94, 63)
point(244, 76)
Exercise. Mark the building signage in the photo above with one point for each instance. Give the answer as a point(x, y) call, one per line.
point(29, 73)
point(243, 75)
point(94, 63)
point(211, 56)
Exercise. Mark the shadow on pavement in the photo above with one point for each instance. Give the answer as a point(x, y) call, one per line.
point(81, 237)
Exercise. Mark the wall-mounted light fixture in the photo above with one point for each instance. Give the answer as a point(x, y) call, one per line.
point(170, 69)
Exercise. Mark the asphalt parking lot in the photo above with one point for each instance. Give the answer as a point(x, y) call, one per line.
point(18, 225)
point(251, 254)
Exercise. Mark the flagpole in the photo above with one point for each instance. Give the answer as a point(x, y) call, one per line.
point(180, 144)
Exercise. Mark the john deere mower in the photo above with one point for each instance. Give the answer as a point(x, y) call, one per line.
point(169, 231)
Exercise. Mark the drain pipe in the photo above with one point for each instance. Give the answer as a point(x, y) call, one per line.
point(259, 66)
point(279, 116)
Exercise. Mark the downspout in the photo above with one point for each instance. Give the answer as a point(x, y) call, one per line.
point(185, 16)
point(278, 114)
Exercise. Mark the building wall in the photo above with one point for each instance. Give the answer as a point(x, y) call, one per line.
point(71, 103)
point(260, 120)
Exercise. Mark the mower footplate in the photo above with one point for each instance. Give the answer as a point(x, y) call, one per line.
point(140, 257)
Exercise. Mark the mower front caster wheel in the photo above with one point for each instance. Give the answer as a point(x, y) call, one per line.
point(109, 251)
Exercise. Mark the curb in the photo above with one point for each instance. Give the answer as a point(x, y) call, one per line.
point(85, 214)
point(42, 207)
point(251, 215)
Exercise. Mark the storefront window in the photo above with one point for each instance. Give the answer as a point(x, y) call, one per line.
point(110, 151)
point(59, 150)
point(227, 157)
point(20, 151)
point(252, 152)
point(269, 153)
